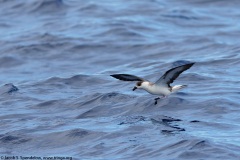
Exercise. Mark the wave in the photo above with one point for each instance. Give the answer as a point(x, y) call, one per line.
point(8, 88)
point(9, 62)
point(48, 6)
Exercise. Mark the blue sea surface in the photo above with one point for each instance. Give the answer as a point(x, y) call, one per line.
point(57, 98)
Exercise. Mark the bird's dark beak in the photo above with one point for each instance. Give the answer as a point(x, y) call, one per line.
point(134, 88)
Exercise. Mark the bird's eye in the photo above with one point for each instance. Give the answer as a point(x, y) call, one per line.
point(139, 83)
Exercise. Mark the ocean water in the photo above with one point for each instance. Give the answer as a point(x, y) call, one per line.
point(57, 99)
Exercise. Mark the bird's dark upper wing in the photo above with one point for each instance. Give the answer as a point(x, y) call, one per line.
point(127, 77)
point(172, 74)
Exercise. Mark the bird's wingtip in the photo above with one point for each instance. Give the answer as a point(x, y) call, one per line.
point(117, 76)
point(112, 75)
point(191, 64)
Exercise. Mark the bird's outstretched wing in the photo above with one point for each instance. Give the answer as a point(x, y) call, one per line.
point(127, 77)
point(172, 74)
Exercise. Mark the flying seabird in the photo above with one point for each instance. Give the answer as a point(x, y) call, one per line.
point(162, 86)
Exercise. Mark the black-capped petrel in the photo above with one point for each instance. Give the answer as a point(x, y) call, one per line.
point(162, 86)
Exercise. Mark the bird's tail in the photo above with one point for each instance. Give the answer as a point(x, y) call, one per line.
point(178, 87)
